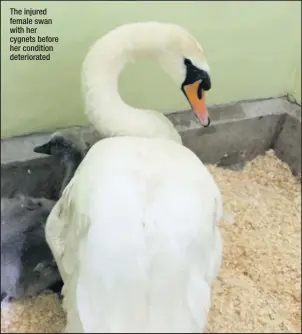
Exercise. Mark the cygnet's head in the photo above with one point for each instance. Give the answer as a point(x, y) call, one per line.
point(183, 59)
point(69, 147)
point(64, 144)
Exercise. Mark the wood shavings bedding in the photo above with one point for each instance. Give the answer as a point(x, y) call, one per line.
point(259, 286)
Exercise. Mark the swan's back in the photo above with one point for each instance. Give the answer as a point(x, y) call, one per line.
point(143, 246)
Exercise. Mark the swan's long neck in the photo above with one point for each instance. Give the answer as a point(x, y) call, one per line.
point(106, 110)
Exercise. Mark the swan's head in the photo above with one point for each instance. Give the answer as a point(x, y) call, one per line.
point(183, 59)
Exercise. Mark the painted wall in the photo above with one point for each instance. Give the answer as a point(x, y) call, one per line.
point(298, 86)
point(295, 92)
point(297, 82)
point(249, 46)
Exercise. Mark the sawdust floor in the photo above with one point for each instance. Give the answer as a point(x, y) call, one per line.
point(259, 286)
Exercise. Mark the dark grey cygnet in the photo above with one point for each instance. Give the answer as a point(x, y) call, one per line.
point(27, 264)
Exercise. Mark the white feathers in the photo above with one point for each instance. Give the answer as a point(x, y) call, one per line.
point(138, 245)
point(140, 238)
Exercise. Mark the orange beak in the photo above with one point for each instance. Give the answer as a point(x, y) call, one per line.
point(198, 105)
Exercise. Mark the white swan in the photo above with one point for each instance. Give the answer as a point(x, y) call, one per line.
point(135, 233)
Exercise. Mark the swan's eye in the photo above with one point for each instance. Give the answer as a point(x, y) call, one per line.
point(187, 62)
